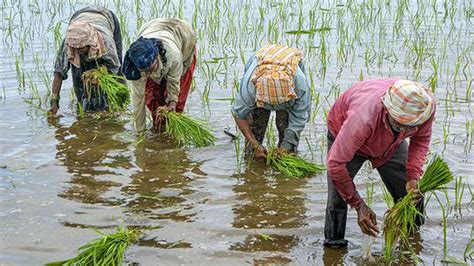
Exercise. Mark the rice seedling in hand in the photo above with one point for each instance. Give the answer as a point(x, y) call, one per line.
point(291, 165)
point(107, 250)
point(400, 220)
point(187, 130)
point(99, 80)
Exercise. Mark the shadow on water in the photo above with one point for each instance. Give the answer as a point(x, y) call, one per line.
point(91, 154)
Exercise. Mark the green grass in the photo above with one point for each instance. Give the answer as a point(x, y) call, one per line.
point(187, 130)
point(399, 221)
point(291, 165)
point(117, 93)
point(107, 250)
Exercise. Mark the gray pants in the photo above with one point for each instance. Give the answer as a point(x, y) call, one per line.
point(393, 174)
point(259, 118)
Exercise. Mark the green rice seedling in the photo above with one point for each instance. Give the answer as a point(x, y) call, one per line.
point(444, 213)
point(288, 164)
point(469, 250)
point(238, 153)
point(399, 221)
point(107, 250)
point(266, 237)
point(469, 135)
point(433, 79)
point(20, 74)
point(310, 148)
point(370, 194)
point(309, 32)
point(447, 259)
point(80, 110)
point(57, 34)
point(291, 165)
point(187, 130)
point(140, 139)
point(100, 80)
point(458, 193)
point(387, 197)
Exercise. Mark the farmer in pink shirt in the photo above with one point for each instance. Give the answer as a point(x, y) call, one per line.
point(371, 121)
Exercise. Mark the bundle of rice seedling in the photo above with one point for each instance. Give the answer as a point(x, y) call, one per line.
point(187, 130)
point(399, 221)
point(107, 250)
point(99, 80)
point(292, 165)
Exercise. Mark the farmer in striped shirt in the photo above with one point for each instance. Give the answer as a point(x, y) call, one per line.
point(93, 39)
point(371, 121)
point(274, 80)
point(160, 67)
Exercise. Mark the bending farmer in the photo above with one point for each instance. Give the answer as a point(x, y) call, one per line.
point(160, 67)
point(274, 80)
point(93, 39)
point(371, 121)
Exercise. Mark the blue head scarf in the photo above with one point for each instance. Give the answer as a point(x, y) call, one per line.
point(141, 55)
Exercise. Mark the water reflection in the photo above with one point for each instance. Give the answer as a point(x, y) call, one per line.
point(92, 155)
point(332, 256)
point(276, 243)
point(159, 187)
point(266, 201)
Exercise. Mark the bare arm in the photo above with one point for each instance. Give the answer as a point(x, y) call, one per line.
point(244, 127)
point(259, 151)
point(57, 84)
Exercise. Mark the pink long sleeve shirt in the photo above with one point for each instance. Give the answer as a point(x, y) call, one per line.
point(358, 121)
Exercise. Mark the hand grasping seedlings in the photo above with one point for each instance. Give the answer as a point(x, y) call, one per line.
point(367, 220)
point(400, 220)
point(99, 79)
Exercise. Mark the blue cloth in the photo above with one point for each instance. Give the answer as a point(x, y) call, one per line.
point(298, 109)
point(140, 55)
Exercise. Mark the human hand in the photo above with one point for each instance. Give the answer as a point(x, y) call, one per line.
point(260, 152)
point(412, 186)
point(170, 107)
point(53, 110)
point(54, 103)
point(367, 220)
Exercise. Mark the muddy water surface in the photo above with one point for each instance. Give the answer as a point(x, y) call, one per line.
point(61, 177)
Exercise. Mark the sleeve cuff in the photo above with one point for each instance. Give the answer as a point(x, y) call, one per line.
point(239, 113)
point(171, 99)
point(63, 75)
point(413, 176)
point(355, 200)
point(286, 145)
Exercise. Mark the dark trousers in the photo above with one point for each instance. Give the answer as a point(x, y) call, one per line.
point(393, 174)
point(259, 118)
point(96, 101)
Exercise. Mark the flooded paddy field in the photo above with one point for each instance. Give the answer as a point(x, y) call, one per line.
point(60, 178)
